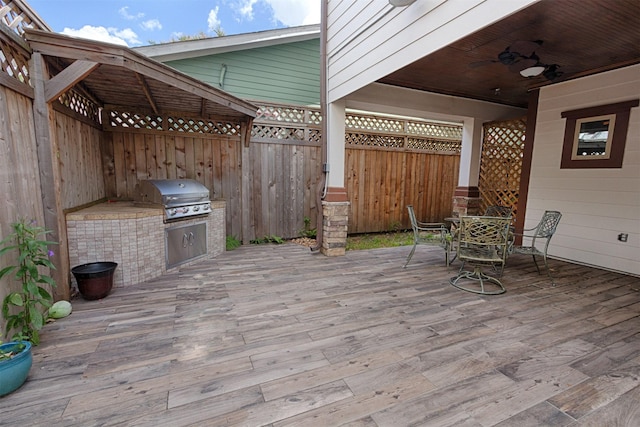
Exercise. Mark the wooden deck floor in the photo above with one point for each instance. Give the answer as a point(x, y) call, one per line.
point(277, 336)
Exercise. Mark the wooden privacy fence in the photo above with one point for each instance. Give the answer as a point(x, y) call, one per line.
point(273, 183)
point(392, 163)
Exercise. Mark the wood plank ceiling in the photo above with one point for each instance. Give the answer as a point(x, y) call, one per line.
point(582, 37)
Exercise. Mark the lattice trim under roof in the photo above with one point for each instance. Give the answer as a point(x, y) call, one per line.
point(81, 105)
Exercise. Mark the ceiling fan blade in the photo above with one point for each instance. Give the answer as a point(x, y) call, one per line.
point(525, 48)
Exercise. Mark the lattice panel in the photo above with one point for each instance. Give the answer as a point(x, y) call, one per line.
point(16, 19)
point(14, 63)
point(436, 130)
point(374, 140)
point(182, 124)
point(81, 105)
point(315, 136)
point(434, 144)
point(362, 130)
point(501, 164)
point(135, 121)
point(315, 117)
point(281, 114)
point(353, 121)
point(277, 132)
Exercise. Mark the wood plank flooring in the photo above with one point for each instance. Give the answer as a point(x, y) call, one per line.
point(277, 336)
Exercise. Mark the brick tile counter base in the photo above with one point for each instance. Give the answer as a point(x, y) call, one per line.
point(134, 237)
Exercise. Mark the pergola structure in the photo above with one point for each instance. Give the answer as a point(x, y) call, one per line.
point(94, 79)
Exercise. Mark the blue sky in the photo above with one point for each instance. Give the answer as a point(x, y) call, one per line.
point(144, 22)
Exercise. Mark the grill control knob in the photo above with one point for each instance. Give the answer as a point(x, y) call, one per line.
point(196, 208)
point(173, 211)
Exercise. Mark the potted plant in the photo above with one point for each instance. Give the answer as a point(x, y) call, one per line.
point(15, 363)
point(24, 310)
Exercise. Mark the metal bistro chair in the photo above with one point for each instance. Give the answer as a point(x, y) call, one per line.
point(543, 231)
point(428, 233)
point(482, 242)
point(503, 212)
point(497, 210)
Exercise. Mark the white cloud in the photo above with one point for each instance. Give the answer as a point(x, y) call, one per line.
point(124, 37)
point(213, 21)
point(151, 24)
point(124, 12)
point(295, 12)
point(127, 34)
point(245, 9)
point(290, 13)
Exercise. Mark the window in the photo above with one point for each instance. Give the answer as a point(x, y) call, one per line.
point(595, 137)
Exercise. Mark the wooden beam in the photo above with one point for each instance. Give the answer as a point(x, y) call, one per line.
point(79, 87)
point(50, 180)
point(67, 78)
point(147, 93)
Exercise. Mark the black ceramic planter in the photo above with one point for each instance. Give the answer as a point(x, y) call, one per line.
point(95, 279)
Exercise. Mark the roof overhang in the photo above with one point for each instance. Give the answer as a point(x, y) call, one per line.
point(116, 76)
point(216, 45)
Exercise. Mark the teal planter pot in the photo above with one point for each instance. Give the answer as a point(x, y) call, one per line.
point(14, 371)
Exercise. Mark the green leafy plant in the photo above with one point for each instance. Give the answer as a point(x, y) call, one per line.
point(268, 239)
point(308, 231)
point(15, 350)
point(232, 243)
point(23, 310)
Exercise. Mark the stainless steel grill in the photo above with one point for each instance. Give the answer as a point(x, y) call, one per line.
point(180, 198)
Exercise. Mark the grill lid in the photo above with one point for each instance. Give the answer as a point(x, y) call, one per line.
point(171, 192)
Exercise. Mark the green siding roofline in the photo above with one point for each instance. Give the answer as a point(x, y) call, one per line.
point(173, 51)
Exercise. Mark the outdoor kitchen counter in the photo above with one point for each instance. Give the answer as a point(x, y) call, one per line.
point(134, 237)
point(114, 210)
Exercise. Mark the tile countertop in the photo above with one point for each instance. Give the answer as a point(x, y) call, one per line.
point(114, 210)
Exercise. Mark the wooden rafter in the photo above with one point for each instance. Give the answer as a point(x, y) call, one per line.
point(147, 93)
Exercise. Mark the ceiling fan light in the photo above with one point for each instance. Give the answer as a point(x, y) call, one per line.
point(401, 3)
point(534, 71)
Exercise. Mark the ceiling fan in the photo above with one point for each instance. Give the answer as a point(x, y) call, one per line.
point(520, 57)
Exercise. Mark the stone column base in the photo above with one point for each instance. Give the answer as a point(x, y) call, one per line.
point(335, 218)
point(466, 201)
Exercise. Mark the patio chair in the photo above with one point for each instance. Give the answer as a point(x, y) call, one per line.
point(482, 242)
point(428, 233)
point(543, 231)
point(503, 212)
point(497, 210)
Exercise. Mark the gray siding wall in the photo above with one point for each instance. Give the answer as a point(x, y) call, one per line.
point(286, 73)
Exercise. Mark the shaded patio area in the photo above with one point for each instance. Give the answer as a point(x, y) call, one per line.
point(274, 335)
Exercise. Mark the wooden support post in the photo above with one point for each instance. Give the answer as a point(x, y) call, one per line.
point(50, 181)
